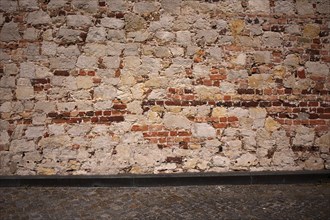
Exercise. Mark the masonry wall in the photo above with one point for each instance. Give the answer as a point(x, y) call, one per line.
point(115, 86)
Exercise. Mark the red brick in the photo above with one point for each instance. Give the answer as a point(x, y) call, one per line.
point(38, 88)
point(91, 73)
point(116, 118)
point(94, 119)
point(223, 119)
point(139, 128)
point(232, 119)
point(184, 133)
point(119, 106)
point(52, 114)
point(219, 125)
point(162, 140)
point(90, 113)
point(173, 133)
point(97, 80)
point(207, 82)
point(172, 90)
point(227, 97)
point(217, 77)
point(98, 113)
point(177, 160)
point(325, 116)
point(59, 120)
point(313, 104)
point(297, 122)
point(107, 113)
point(75, 120)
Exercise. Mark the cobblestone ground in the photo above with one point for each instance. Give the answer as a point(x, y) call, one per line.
point(186, 202)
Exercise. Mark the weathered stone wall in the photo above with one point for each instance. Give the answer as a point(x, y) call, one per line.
point(115, 86)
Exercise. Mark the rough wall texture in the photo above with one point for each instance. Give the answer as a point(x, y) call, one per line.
point(115, 86)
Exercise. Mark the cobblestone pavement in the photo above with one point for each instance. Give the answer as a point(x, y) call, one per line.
point(186, 202)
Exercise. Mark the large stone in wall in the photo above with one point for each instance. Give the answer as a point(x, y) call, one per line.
point(206, 92)
point(38, 18)
point(173, 121)
point(48, 48)
point(57, 141)
point(206, 37)
point(271, 125)
point(29, 4)
point(6, 94)
point(113, 23)
point(262, 57)
point(317, 68)
point(105, 92)
point(246, 160)
point(322, 7)
point(135, 107)
point(45, 106)
point(304, 136)
point(145, 7)
point(31, 34)
point(284, 7)
point(62, 63)
point(8, 5)
point(86, 62)
point(284, 159)
point(10, 69)
point(157, 82)
point(314, 163)
point(324, 143)
point(311, 31)
point(292, 60)
point(22, 145)
point(9, 32)
point(4, 138)
point(55, 4)
point(117, 5)
point(24, 92)
point(259, 6)
point(203, 130)
point(27, 70)
point(89, 6)
point(171, 6)
point(96, 34)
point(236, 26)
point(304, 7)
point(134, 22)
point(272, 39)
point(260, 81)
point(69, 35)
point(34, 132)
point(220, 161)
point(78, 21)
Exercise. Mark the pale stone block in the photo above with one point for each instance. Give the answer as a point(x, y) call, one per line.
point(38, 18)
point(173, 121)
point(203, 130)
point(311, 31)
point(22, 145)
point(9, 32)
point(34, 132)
point(145, 7)
point(78, 21)
point(24, 92)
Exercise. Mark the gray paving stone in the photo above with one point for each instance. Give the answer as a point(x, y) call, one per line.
point(188, 202)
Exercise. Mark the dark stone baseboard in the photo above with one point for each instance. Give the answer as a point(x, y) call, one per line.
point(182, 179)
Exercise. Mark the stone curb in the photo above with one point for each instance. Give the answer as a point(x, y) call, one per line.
point(232, 178)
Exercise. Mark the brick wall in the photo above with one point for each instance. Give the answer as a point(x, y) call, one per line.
point(118, 86)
